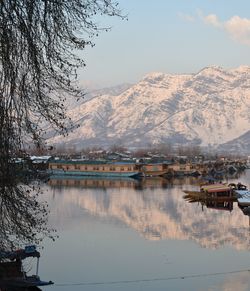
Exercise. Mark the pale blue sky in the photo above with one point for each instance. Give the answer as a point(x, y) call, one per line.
point(178, 36)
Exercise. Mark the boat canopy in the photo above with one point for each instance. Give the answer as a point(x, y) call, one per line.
point(21, 254)
point(215, 188)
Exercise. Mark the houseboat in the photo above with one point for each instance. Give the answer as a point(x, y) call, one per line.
point(153, 170)
point(93, 168)
point(187, 169)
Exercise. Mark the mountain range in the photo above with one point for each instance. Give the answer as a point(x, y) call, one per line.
point(210, 108)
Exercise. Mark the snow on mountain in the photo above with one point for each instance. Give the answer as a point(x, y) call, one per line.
point(92, 93)
point(211, 107)
point(238, 145)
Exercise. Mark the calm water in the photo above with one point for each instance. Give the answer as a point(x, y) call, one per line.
point(125, 235)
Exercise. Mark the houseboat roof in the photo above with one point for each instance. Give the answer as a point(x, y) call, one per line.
point(91, 162)
point(215, 188)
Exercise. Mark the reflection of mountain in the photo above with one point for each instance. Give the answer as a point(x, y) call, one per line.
point(157, 214)
point(238, 282)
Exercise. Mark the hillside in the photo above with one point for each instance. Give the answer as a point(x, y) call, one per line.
point(211, 107)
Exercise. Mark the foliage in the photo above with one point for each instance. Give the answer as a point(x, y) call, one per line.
point(38, 62)
point(39, 40)
point(22, 218)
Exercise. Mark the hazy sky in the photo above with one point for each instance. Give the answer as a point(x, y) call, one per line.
point(171, 36)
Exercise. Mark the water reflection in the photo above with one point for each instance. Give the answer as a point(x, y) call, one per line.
point(20, 289)
point(222, 203)
point(239, 282)
point(104, 182)
point(154, 208)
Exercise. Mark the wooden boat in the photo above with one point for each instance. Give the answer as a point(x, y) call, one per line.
point(218, 192)
point(12, 274)
point(93, 168)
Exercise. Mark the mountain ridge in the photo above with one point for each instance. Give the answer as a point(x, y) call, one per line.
point(209, 108)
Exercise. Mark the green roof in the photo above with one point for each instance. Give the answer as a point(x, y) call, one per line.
point(89, 162)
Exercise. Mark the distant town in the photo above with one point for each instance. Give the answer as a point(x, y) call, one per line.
point(159, 161)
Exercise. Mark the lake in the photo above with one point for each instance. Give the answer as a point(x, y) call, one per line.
point(131, 235)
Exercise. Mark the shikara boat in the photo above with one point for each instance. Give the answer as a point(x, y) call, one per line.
point(218, 192)
point(12, 274)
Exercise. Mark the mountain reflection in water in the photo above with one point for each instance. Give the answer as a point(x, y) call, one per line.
point(155, 208)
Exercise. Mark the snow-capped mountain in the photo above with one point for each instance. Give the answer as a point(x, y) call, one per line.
point(211, 107)
point(90, 94)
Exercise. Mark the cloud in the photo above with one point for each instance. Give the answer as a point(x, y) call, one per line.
point(237, 28)
point(186, 17)
point(212, 19)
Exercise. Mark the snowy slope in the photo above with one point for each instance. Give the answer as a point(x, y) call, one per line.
point(210, 107)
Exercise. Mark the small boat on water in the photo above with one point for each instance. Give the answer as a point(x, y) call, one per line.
point(217, 191)
point(12, 274)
